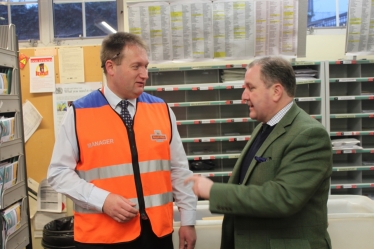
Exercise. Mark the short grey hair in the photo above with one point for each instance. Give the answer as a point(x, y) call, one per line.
point(276, 69)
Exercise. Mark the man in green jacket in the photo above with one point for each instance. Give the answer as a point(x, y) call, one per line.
point(276, 197)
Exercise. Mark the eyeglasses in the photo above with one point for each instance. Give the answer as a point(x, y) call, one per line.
point(114, 57)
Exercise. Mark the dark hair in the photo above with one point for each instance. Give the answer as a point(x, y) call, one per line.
point(276, 69)
point(113, 45)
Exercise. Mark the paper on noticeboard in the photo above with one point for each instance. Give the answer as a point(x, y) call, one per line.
point(31, 119)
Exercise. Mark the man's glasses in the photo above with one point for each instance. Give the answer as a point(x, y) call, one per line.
point(114, 57)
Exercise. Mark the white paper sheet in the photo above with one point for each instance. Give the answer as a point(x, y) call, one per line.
point(31, 119)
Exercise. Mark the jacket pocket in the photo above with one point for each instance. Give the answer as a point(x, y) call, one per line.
point(289, 244)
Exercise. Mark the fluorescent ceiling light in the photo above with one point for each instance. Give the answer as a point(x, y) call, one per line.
point(104, 26)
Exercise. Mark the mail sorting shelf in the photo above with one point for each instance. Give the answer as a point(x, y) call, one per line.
point(212, 119)
point(13, 146)
point(350, 109)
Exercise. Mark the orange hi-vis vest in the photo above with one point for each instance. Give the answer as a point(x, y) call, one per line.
point(131, 162)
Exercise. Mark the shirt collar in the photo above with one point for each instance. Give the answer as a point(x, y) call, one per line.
point(277, 117)
point(113, 99)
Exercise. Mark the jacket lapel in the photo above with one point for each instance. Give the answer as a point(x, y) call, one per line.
point(236, 171)
point(278, 131)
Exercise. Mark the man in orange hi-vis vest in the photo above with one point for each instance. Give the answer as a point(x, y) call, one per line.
point(119, 157)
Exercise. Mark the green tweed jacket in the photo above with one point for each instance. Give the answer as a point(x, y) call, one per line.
point(282, 202)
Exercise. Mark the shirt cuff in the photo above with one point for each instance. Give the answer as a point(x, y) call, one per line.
point(188, 217)
point(97, 199)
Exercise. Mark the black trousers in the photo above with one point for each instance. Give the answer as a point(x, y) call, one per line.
point(146, 240)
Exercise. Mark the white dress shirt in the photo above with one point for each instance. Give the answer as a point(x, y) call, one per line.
point(63, 178)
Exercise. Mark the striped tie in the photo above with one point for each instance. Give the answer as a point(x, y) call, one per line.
point(125, 113)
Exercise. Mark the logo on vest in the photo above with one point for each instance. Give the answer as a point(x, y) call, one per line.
point(158, 137)
point(101, 142)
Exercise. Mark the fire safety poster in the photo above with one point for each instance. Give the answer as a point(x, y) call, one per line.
point(42, 74)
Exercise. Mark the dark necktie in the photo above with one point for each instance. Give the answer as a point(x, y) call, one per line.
point(256, 144)
point(126, 117)
point(264, 128)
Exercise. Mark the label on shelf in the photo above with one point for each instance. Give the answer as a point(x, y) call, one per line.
point(204, 88)
point(199, 103)
point(301, 81)
point(346, 98)
point(208, 121)
point(346, 62)
point(170, 89)
point(299, 63)
point(349, 186)
point(234, 156)
point(349, 151)
point(238, 86)
point(306, 99)
point(347, 169)
point(345, 115)
point(207, 157)
point(166, 68)
point(354, 133)
point(236, 66)
point(237, 102)
point(346, 80)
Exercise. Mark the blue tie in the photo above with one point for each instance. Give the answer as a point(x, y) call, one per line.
point(125, 113)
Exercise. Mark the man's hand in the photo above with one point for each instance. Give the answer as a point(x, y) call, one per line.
point(187, 237)
point(201, 186)
point(119, 208)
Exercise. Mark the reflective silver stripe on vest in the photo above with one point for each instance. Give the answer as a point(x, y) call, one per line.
point(123, 170)
point(150, 201)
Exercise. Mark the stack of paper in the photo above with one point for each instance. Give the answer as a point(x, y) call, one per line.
point(8, 173)
point(345, 144)
point(11, 220)
point(50, 206)
point(306, 73)
point(7, 132)
point(233, 75)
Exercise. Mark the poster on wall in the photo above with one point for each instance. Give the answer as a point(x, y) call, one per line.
point(151, 21)
point(71, 64)
point(183, 30)
point(42, 74)
point(191, 33)
point(360, 29)
point(276, 27)
point(65, 94)
point(233, 29)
